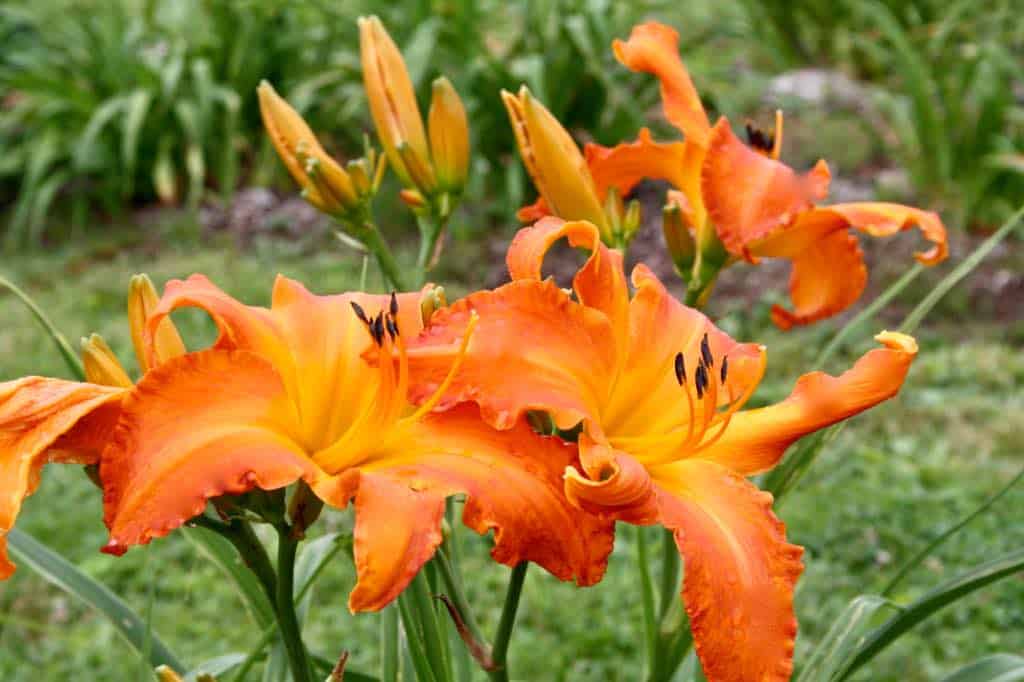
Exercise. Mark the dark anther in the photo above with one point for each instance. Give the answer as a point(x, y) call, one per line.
point(759, 139)
point(378, 329)
point(360, 313)
point(393, 309)
point(705, 352)
point(680, 369)
point(391, 327)
point(725, 367)
point(700, 380)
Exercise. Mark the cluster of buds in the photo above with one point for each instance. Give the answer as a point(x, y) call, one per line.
point(432, 163)
point(561, 175)
point(342, 192)
point(697, 252)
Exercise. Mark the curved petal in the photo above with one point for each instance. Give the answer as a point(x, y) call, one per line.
point(883, 220)
point(648, 398)
point(46, 420)
point(531, 213)
point(756, 439)
point(612, 484)
point(600, 283)
point(533, 349)
point(740, 571)
point(242, 327)
point(828, 277)
point(750, 196)
point(654, 48)
point(199, 426)
point(513, 483)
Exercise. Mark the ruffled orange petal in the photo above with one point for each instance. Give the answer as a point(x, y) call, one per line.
point(533, 348)
point(750, 196)
point(756, 439)
point(884, 220)
point(531, 213)
point(828, 277)
point(740, 571)
point(611, 484)
point(512, 480)
point(199, 426)
point(242, 327)
point(654, 48)
point(648, 398)
point(46, 420)
point(600, 283)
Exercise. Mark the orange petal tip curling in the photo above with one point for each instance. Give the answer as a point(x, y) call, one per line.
point(897, 341)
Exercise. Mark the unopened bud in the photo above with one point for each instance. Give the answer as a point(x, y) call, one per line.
point(412, 198)
point(166, 343)
point(418, 168)
point(101, 365)
point(165, 674)
point(449, 136)
point(682, 246)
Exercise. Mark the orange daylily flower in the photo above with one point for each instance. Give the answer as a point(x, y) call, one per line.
point(284, 394)
point(757, 205)
point(659, 391)
point(45, 420)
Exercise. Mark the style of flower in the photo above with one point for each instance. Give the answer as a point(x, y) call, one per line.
point(658, 392)
point(284, 395)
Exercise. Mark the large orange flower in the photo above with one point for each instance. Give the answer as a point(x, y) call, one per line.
point(757, 205)
point(45, 420)
point(284, 395)
point(659, 392)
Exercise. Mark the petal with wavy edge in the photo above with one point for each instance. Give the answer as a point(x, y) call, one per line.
point(828, 277)
point(740, 571)
point(648, 399)
point(756, 439)
point(202, 425)
point(46, 420)
point(883, 220)
point(533, 348)
point(513, 483)
point(654, 48)
point(750, 196)
point(611, 484)
point(600, 283)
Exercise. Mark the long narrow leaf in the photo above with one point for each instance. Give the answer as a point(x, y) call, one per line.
point(930, 604)
point(223, 554)
point(844, 635)
point(70, 358)
point(997, 668)
point(58, 571)
point(215, 666)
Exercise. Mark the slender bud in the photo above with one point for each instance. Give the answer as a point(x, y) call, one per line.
point(391, 96)
point(412, 198)
point(419, 170)
point(631, 220)
point(449, 136)
point(324, 182)
point(167, 343)
point(555, 162)
point(165, 674)
point(101, 365)
point(682, 247)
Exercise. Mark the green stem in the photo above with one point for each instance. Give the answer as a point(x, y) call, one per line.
point(426, 613)
point(414, 637)
point(240, 534)
point(669, 571)
point(370, 236)
point(505, 625)
point(71, 358)
point(291, 633)
point(431, 229)
point(646, 594)
point(389, 644)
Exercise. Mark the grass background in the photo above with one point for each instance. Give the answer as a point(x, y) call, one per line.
point(895, 477)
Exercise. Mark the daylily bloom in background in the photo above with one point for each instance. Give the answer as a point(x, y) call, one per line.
point(659, 391)
point(284, 395)
point(46, 420)
point(431, 171)
point(742, 198)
